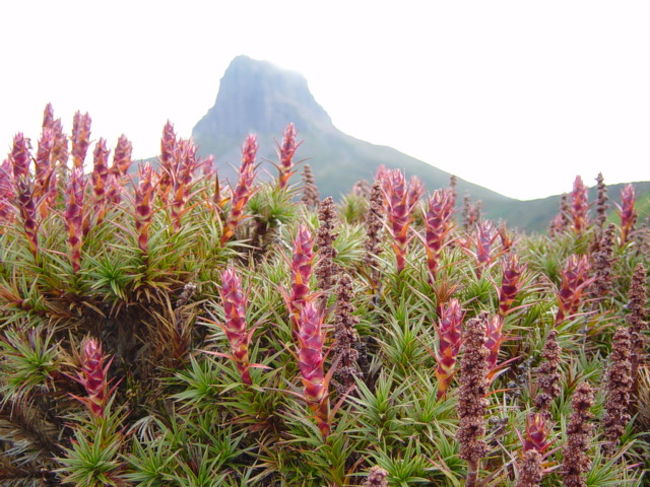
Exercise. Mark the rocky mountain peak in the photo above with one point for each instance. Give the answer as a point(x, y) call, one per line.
point(257, 97)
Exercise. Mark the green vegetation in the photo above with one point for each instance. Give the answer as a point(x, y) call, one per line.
point(170, 331)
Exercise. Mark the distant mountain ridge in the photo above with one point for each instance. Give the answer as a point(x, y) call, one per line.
point(257, 97)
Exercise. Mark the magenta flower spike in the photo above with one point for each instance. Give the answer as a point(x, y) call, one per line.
point(437, 223)
point(43, 164)
point(60, 148)
point(74, 216)
point(311, 362)
point(80, 138)
point(575, 280)
point(48, 117)
point(449, 336)
point(579, 206)
point(485, 237)
point(627, 212)
point(235, 325)
point(28, 212)
point(99, 179)
point(7, 194)
point(244, 189)
point(401, 199)
point(167, 157)
point(510, 283)
point(122, 157)
point(302, 263)
point(93, 376)
point(20, 156)
point(494, 339)
point(286, 151)
point(185, 164)
point(536, 433)
point(144, 206)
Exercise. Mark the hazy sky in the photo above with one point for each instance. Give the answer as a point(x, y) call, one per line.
point(519, 96)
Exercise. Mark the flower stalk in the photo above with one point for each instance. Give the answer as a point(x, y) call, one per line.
point(286, 151)
point(627, 212)
point(602, 259)
point(536, 433)
point(43, 169)
point(574, 281)
point(494, 339)
point(579, 436)
point(377, 477)
point(168, 150)
point(74, 216)
point(310, 196)
point(619, 389)
point(20, 156)
point(601, 201)
point(144, 194)
point(374, 225)
point(345, 336)
point(301, 269)
point(7, 194)
point(579, 206)
point(311, 362)
point(93, 376)
point(185, 163)
point(548, 375)
point(637, 299)
point(437, 224)
point(401, 199)
point(472, 401)
point(244, 189)
point(99, 180)
point(235, 326)
point(28, 212)
point(122, 157)
point(510, 283)
point(449, 336)
point(80, 139)
point(326, 269)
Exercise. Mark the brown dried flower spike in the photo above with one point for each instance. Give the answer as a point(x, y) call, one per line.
point(576, 458)
point(619, 387)
point(472, 401)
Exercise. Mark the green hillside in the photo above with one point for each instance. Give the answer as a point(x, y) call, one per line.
point(257, 97)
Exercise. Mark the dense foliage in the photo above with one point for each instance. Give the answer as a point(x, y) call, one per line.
point(159, 327)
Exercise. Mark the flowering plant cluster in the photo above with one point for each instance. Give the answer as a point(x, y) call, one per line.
point(161, 326)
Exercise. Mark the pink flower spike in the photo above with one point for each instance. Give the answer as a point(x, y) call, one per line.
point(74, 216)
point(437, 222)
point(286, 151)
point(510, 283)
point(20, 156)
point(144, 194)
point(575, 279)
point(311, 362)
point(579, 206)
point(627, 212)
point(449, 336)
point(93, 376)
point(244, 189)
point(122, 157)
point(302, 263)
point(80, 138)
point(235, 325)
point(401, 199)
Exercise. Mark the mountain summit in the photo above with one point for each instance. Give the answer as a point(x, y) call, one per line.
point(257, 97)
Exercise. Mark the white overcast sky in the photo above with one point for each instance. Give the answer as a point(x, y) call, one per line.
point(518, 95)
